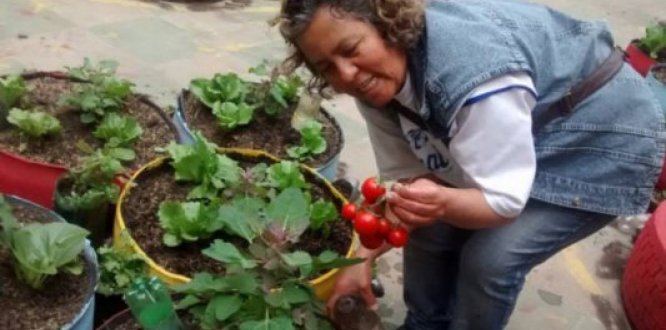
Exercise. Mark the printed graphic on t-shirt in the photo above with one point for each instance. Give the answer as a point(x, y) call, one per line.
point(432, 152)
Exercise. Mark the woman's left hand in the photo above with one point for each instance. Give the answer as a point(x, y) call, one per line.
point(419, 203)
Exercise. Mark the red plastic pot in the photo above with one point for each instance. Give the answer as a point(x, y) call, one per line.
point(28, 179)
point(644, 280)
point(640, 61)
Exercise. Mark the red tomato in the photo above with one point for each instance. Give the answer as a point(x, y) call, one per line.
point(371, 241)
point(365, 224)
point(371, 190)
point(397, 237)
point(348, 211)
point(384, 227)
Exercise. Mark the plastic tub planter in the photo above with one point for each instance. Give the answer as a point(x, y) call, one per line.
point(644, 278)
point(84, 318)
point(322, 285)
point(36, 181)
point(328, 170)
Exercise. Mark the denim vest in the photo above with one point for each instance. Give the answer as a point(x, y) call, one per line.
point(605, 156)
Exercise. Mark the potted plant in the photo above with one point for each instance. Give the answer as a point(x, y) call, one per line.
point(274, 115)
point(650, 49)
point(48, 270)
point(221, 196)
point(81, 102)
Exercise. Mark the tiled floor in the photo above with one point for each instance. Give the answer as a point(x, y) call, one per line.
point(161, 46)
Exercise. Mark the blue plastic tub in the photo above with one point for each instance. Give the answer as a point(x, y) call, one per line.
point(84, 319)
point(328, 170)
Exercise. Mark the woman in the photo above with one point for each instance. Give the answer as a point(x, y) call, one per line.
point(516, 131)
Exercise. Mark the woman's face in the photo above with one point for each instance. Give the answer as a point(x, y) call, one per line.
point(353, 57)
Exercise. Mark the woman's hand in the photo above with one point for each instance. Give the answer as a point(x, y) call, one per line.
point(354, 280)
point(419, 203)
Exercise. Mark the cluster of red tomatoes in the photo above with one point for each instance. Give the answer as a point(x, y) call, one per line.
point(372, 228)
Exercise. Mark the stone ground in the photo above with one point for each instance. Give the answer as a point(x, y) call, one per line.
point(162, 45)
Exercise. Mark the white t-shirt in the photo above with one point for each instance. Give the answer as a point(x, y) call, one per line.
point(491, 146)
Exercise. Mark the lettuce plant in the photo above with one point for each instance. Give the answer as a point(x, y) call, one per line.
point(312, 141)
point(41, 250)
point(34, 123)
point(11, 89)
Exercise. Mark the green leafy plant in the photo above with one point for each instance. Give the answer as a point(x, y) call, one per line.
point(12, 88)
point(188, 221)
point(91, 182)
point(41, 250)
point(199, 163)
point(654, 41)
point(221, 88)
point(34, 123)
point(118, 131)
point(312, 141)
point(118, 267)
point(276, 91)
point(104, 94)
point(265, 286)
point(231, 115)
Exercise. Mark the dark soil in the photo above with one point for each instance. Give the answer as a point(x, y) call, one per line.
point(274, 135)
point(52, 307)
point(125, 321)
point(61, 149)
point(140, 213)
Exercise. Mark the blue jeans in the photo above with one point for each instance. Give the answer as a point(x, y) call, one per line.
point(460, 279)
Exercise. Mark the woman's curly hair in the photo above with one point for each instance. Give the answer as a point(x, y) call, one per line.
point(400, 22)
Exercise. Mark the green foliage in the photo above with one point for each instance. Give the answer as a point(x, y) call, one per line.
point(322, 213)
point(34, 123)
point(118, 268)
point(11, 89)
point(92, 180)
point(222, 88)
point(118, 131)
point(289, 210)
point(654, 41)
point(200, 164)
point(231, 115)
point(188, 221)
point(312, 141)
point(104, 94)
point(41, 250)
point(275, 93)
point(265, 287)
point(286, 174)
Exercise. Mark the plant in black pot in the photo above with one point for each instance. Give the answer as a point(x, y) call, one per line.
point(84, 194)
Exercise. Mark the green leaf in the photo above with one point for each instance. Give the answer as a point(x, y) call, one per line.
point(118, 131)
point(321, 213)
point(278, 323)
point(229, 254)
point(231, 115)
point(44, 249)
point(243, 217)
point(242, 283)
point(188, 302)
point(225, 306)
point(286, 174)
point(11, 90)
point(290, 210)
point(117, 269)
point(34, 123)
point(295, 294)
point(188, 221)
point(299, 259)
point(202, 283)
